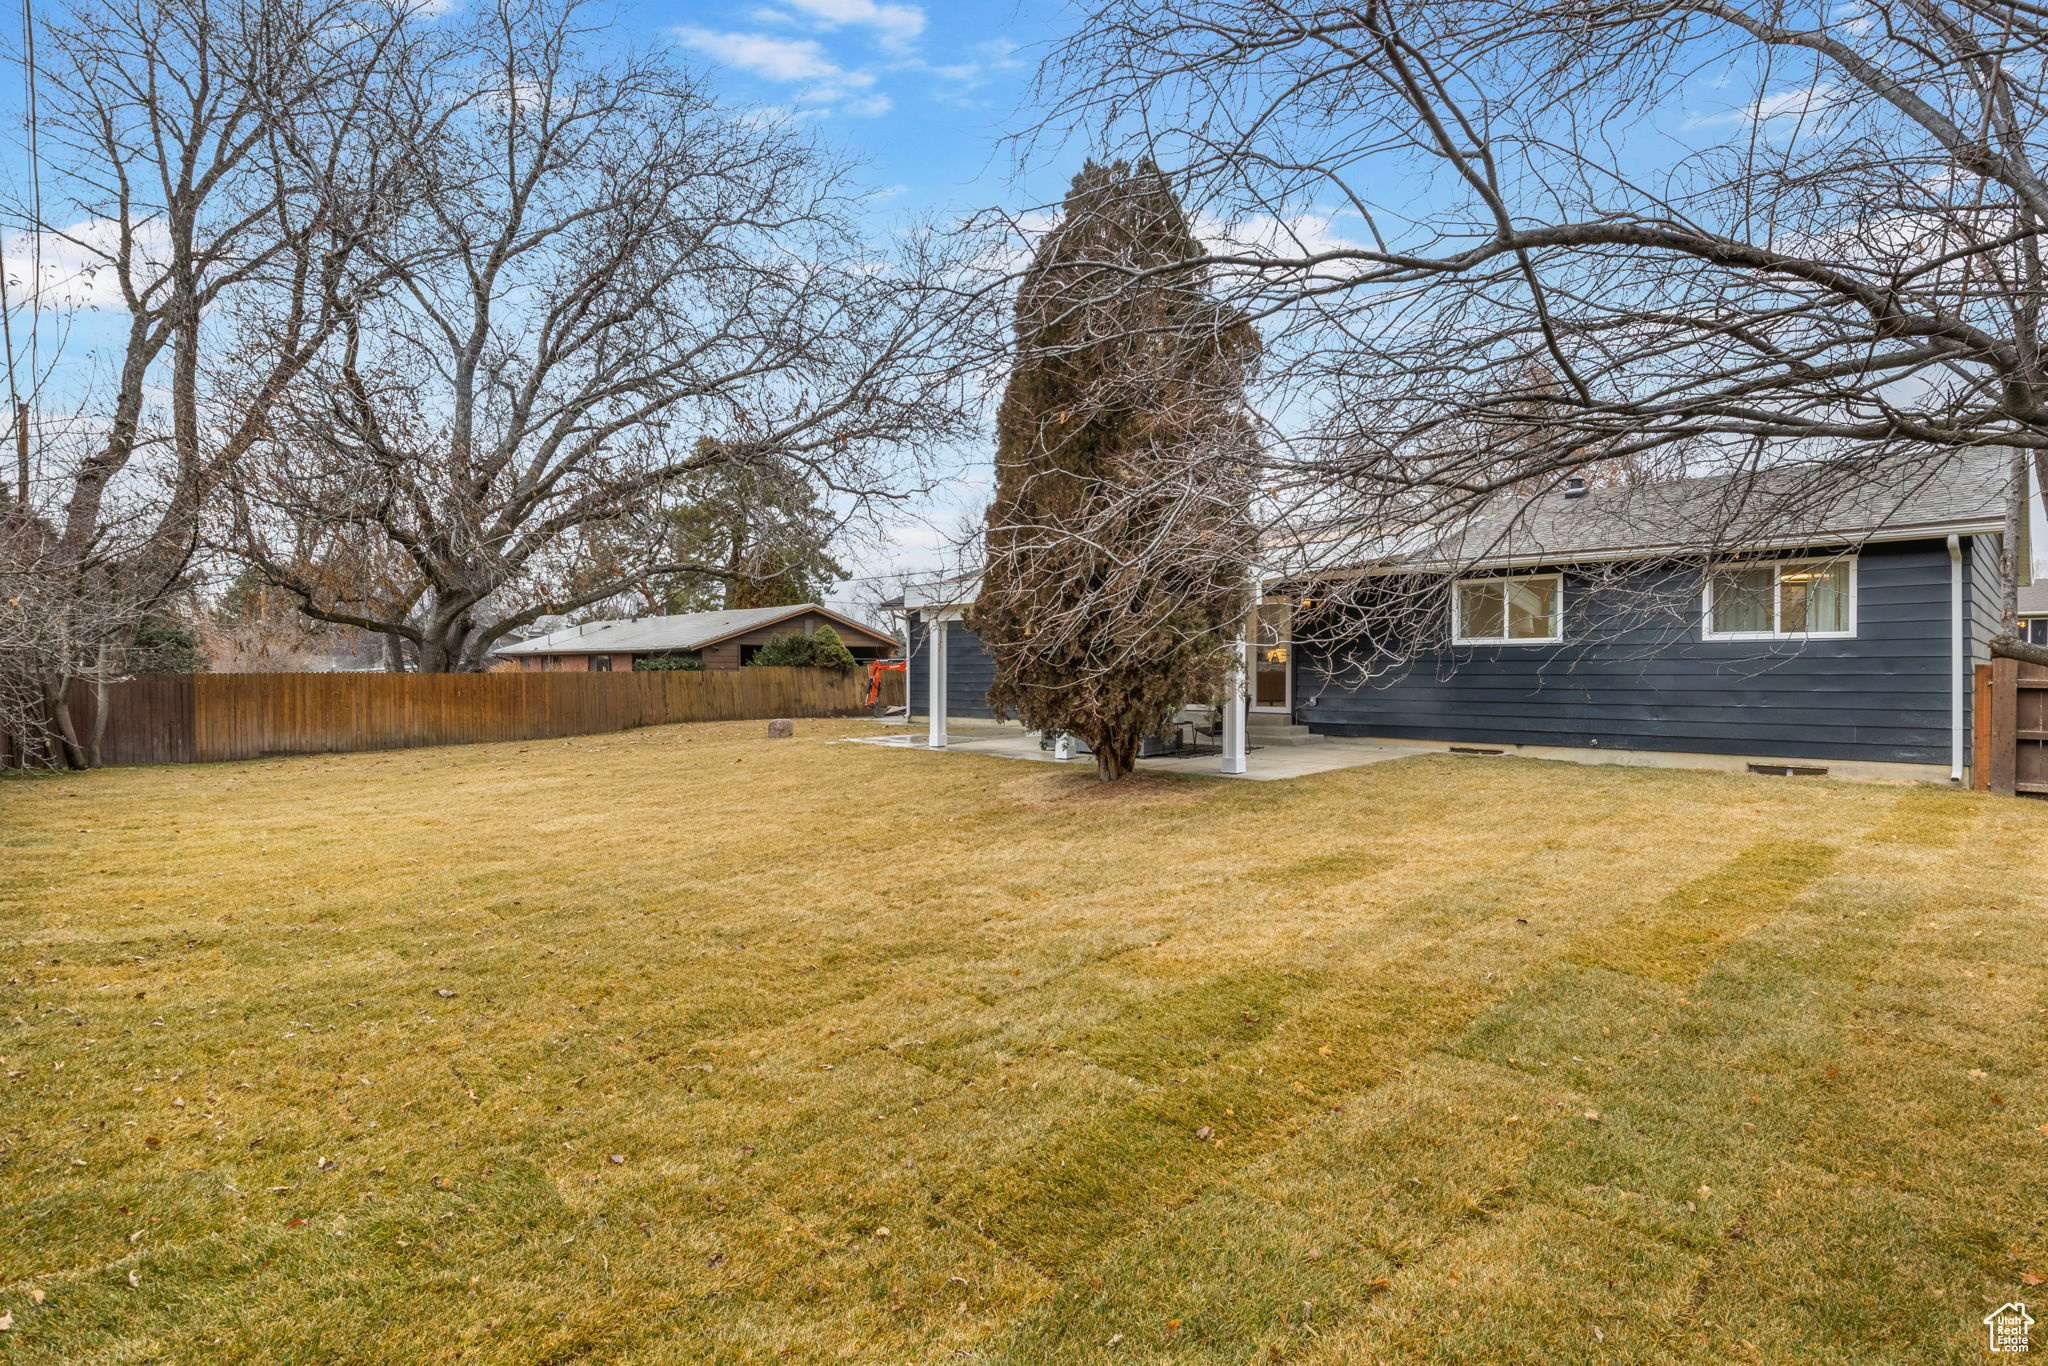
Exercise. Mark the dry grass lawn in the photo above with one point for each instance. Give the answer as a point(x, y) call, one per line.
point(688, 1046)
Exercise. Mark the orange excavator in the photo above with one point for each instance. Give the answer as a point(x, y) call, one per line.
point(875, 671)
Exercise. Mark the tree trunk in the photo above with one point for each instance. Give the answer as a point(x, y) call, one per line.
point(1116, 751)
point(1111, 765)
point(99, 709)
point(60, 717)
point(446, 649)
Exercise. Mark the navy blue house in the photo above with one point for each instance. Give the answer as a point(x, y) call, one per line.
point(1667, 624)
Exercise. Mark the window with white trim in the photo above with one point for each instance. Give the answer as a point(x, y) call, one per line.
point(1526, 610)
point(1781, 600)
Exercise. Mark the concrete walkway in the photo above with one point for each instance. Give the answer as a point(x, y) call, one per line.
point(1320, 755)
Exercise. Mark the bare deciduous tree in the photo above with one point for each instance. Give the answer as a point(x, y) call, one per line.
point(192, 152)
point(630, 281)
point(1752, 230)
point(54, 638)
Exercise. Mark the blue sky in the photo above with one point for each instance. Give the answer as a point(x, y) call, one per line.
point(923, 95)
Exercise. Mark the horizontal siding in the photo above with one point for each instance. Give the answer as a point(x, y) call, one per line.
point(1986, 595)
point(1626, 681)
point(969, 672)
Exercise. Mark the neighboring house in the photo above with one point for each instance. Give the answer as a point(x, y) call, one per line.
point(1594, 624)
point(710, 640)
point(2034, 613)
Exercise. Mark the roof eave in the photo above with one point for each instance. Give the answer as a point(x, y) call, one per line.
point(596, 645)
point(796, 611)
point(1919, 532)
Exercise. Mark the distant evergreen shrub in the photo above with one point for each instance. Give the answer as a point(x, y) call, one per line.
point(820, 649)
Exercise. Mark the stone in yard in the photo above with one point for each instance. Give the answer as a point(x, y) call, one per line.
point(781, 728)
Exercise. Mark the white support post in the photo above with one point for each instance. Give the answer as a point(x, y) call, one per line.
point(1233, 704)
point(935, 669)
point(1958, 663)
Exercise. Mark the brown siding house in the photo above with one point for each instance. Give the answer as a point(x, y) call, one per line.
point(712, 640)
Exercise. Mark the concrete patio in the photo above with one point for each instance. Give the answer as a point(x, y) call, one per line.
point(1296, 759)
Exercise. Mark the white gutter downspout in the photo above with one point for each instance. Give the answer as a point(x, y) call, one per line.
point(1955, 663)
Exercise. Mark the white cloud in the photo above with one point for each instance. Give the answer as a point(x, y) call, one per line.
point(76, 261)
point(794, 61)
point(1806, 100)
point(778, 59)
point(1304, 234)
point(1801, 102)
point(999, 52)
point(890, 23)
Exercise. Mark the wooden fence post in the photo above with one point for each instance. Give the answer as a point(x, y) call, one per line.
point(1980, 728)
point(2005, 742)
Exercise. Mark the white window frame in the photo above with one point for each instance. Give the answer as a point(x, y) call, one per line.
point(1458, 636)
point(1707, 631)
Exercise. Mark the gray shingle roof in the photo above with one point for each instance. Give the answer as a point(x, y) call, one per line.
point(1783, 506)
point(689, 631)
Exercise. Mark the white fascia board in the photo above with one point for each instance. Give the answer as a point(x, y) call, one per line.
point(1846, 539)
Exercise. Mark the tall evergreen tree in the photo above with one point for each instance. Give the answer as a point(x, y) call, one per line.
point(1119, 541)
point(762, 522)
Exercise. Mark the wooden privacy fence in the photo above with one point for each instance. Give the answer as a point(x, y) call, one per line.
point(199, 718)
point(2012, 728)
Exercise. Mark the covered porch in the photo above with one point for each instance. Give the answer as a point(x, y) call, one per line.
point(943, 711)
